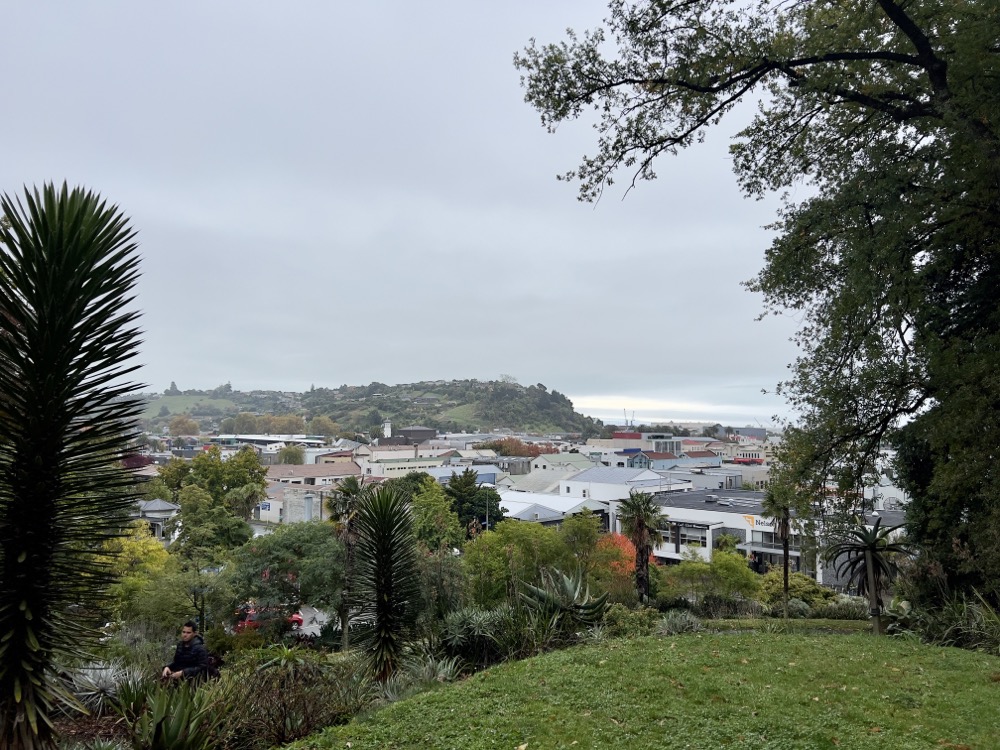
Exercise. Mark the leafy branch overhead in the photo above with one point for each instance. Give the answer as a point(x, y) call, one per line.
point(888, 112)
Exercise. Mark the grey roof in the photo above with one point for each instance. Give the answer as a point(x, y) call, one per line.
point(567, 459)
point(609, 475)
point(546, 481)
point(536, 513)
point(156, 506)
point(745, 502)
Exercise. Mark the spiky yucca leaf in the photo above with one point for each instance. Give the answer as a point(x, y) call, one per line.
point(387, 567)
point(68, 263)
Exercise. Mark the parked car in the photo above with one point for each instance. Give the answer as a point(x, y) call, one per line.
point(248, 618)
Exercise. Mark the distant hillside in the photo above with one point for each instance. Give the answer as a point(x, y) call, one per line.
point(457, 405)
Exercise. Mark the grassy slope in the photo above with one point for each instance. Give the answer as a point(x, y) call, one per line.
point(742, 692)
point(183, 405)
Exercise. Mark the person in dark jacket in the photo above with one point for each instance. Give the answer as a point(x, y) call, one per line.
point(190, 658)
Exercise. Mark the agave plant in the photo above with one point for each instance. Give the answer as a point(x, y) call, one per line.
point(866, 558)
point(563, 603)
point(387, 572)
point(96, 685)
point(176, 717)
point(68, 263)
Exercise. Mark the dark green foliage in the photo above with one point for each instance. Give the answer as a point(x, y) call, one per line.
point(481, 637)
point(623, 622)
point(472, 503)
point(269, 697)
point(562, 606)
point(175, 717)
point(962, 621)
point(889, 111)
point(410, 483)
point(639, 517)
point(841, 608)
point(68, 263)
point(867, 557)
point(300, 563)
point(343, 506)
point(801, 587)
point(483, 403)
point(387, 576)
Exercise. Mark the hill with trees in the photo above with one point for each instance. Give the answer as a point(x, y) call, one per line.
point(447, 405)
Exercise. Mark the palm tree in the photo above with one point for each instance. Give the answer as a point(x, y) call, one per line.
point(343, 506)
point(639, 517)
point(387, 557)
point(68, 263)
point(777, 506)
point(866, 558)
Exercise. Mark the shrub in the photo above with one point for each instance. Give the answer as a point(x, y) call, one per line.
point(797, 609)
point(421, 672)
point(143, 645)
point(273, 696)
point(248, 640)
point(219, 642)
point(679, 621)
point(481, 637)
point(561, 606)
point(800, 586)
point(175, 717)
point(621, 622)
point(843, 607)
point(96, 685)
point(960, 622)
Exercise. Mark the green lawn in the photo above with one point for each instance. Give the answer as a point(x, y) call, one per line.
point(751, 691)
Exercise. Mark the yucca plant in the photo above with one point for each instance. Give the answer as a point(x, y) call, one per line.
point(68, 263)
point(388, 577)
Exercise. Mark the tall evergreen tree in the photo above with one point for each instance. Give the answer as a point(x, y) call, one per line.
point(888, 112)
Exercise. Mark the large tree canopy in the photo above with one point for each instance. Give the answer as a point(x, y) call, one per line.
point(889, 113)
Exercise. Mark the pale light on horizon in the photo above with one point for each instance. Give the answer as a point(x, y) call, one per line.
point(617, 409)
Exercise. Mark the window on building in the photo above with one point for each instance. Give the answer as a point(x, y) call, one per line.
point(567, 490)
point(585, 493)
point(693, 537)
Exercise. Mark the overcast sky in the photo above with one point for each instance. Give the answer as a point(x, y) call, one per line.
point(333, 193)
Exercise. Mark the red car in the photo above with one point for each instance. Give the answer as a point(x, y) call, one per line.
point(249, 619)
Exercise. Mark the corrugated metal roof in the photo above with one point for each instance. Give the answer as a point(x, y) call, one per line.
point(610, 475)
